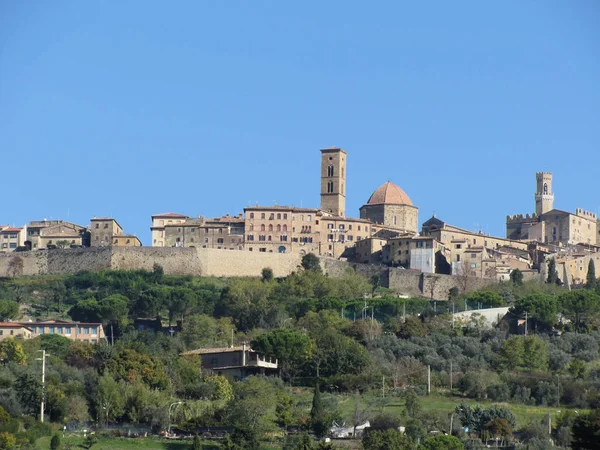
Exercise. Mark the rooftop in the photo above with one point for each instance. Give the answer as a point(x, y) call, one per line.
point(171, 214)
point(389, 193)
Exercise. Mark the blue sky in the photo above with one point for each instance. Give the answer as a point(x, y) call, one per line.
point(135, 108)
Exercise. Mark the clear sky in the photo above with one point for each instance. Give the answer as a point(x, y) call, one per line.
point(134, 108)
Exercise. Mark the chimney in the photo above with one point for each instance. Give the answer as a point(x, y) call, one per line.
point(244, 354)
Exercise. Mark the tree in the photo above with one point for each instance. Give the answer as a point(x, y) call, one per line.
point(62, 244)
point(77, 408)
point(267, 274)
point(284, 409)
point(443, 442)
point(386, 440)
point(12, 351)
point(579, 306)
point(318, 419)
point(552, 274)
point(512, 353)
point(291, 349)
point(535, 354)
point(516, 276)
point(29, 392)
point(55, 442)
point(7, 440)
point(586, 431)
point(412, 404)
point(8, 310)
point(453, 294)
point(591, 275)
point(110, 400)
point(498, 428)
point(311, 262)
point(197, 444)
point(541, 308)
point(486, 298)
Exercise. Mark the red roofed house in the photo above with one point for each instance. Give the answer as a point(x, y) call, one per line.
point(11, 238)
point(14, 329)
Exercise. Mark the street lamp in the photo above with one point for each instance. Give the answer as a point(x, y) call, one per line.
point(170, 406)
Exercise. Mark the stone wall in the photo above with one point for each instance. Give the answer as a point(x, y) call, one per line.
point(34, 263)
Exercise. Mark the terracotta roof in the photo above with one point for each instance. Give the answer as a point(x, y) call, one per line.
point(170, 214)
point(13, 325)
point(346, 219)
point(208, 351)
point(389, 193)
point(280, 208)
point(10, 230)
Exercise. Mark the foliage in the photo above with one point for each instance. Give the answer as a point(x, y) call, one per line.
point(586, 431)
point(541, 308)
point(311, 262)
point(591, 281)
point(579, 305)
point(8, 310)
point(443, 442)
point(552, 274)
point(291, 348)
point(11, 351)
point(267, 274)
point(516, 276)
point(386, 440)
point(55, 442)
point(318, 418)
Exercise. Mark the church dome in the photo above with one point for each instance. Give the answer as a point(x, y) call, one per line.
point(389, 193)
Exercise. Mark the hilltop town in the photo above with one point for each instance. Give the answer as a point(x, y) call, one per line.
point(386, 232)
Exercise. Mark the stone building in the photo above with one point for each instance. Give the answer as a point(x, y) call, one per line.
point(340, 234)
point(13, 330)
point(390, 206)
point(42, 234)
point(552, 226)
point(105, 231)
point(282, 229)
point(399, 252)
point(333, 181)
point(220, 233)
point(159, 221)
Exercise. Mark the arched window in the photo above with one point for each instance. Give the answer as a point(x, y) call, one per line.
point(251, 227)
point(252, 215)
point(329, 171)
point(309, 218)
point(278, 227)
point(262, 227)
point(270, 227)
point(329, 187)
point(278, 216)
point(284, 227)
point(545, 188)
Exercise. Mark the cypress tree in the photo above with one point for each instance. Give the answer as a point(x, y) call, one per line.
point(591, 275)
point(318, 421)
point(552, 275)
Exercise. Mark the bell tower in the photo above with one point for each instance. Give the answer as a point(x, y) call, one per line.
point(544, 198)
point(333, 181)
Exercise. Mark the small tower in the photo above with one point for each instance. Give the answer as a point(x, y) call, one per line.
point(333, 181)
point(544, 198)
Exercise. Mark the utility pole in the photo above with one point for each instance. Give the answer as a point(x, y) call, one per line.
point(428, 380)
point(372, 312)
point(43, 359)
point(404, 312)
point(451, 379)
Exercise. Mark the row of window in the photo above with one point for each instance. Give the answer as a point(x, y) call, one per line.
point(11, 245)
point(262, 237)
point(9, 236)
point(263, 227)
point(342, 227)
point(67, 330)
point(341, 237)
point(284, 216)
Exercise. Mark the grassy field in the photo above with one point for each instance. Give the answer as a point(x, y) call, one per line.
point(109, 443)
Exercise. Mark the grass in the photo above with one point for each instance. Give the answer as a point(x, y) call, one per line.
point(113, 443)
point(435, 402)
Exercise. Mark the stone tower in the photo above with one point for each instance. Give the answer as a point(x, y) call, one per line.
point(333, 181)
point(544, 198)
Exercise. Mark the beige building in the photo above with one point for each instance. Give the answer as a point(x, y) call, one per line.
point(106, 231)
point(282, 229)
point(11, 238)
point(400, 250)
point(42, 234)
point(576, 266)
point(14, 330)
point(390, 206)
point(159, 221)
point(552, 226)
point(235, 363)
point(340, 234)
point(370, 250)
point(76, 331)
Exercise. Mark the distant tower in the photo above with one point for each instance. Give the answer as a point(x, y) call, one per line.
point(544, 198)
point(333, 181)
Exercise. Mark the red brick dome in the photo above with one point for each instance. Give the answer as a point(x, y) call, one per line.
point(389, 193)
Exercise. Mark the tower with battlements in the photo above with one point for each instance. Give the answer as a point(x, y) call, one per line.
point(544, 198)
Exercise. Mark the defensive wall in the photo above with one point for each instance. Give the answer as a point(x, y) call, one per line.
point(174, 261)
point(228, 263)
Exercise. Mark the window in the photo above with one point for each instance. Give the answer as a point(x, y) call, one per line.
point(284, 228)
point(283, 237)
point(473, 255)
point(329, 171)
point(309, 218)
point(278, 227)
point(251, 227)
point(262, 227)
point(97, 225)
point(284, 216)
point(220, 241)
point(94, 331)
point(269, 238)
point(51, 330)
point(271, 227)
point(250, 237)
point(350, 237)
point(342, 227)
point(329, 187)
point(261, 237)
point(86, 330)
point(105, 225)
point(128, 241)
point(473, 266)
point(330, 237)
point(59, 330)
point(12, 332)
point(272, 216)
point(278, 216)
point(214, 361)
point(419, 244)
point(262, 249)
point(394, 220)
point(458, 258)
point(458, 246)
point(262, 216)
point(359, 228)
point(41, 330)
point(474, 241)
point(68, 331)
point(252, 215)
point(193, 230)
point(350, 226)
point(13, 245)
point(545, 188)
point(206, 240)
point(330, 226)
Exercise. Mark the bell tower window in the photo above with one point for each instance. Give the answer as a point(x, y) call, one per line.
point(329, 171)
point(545, 188)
